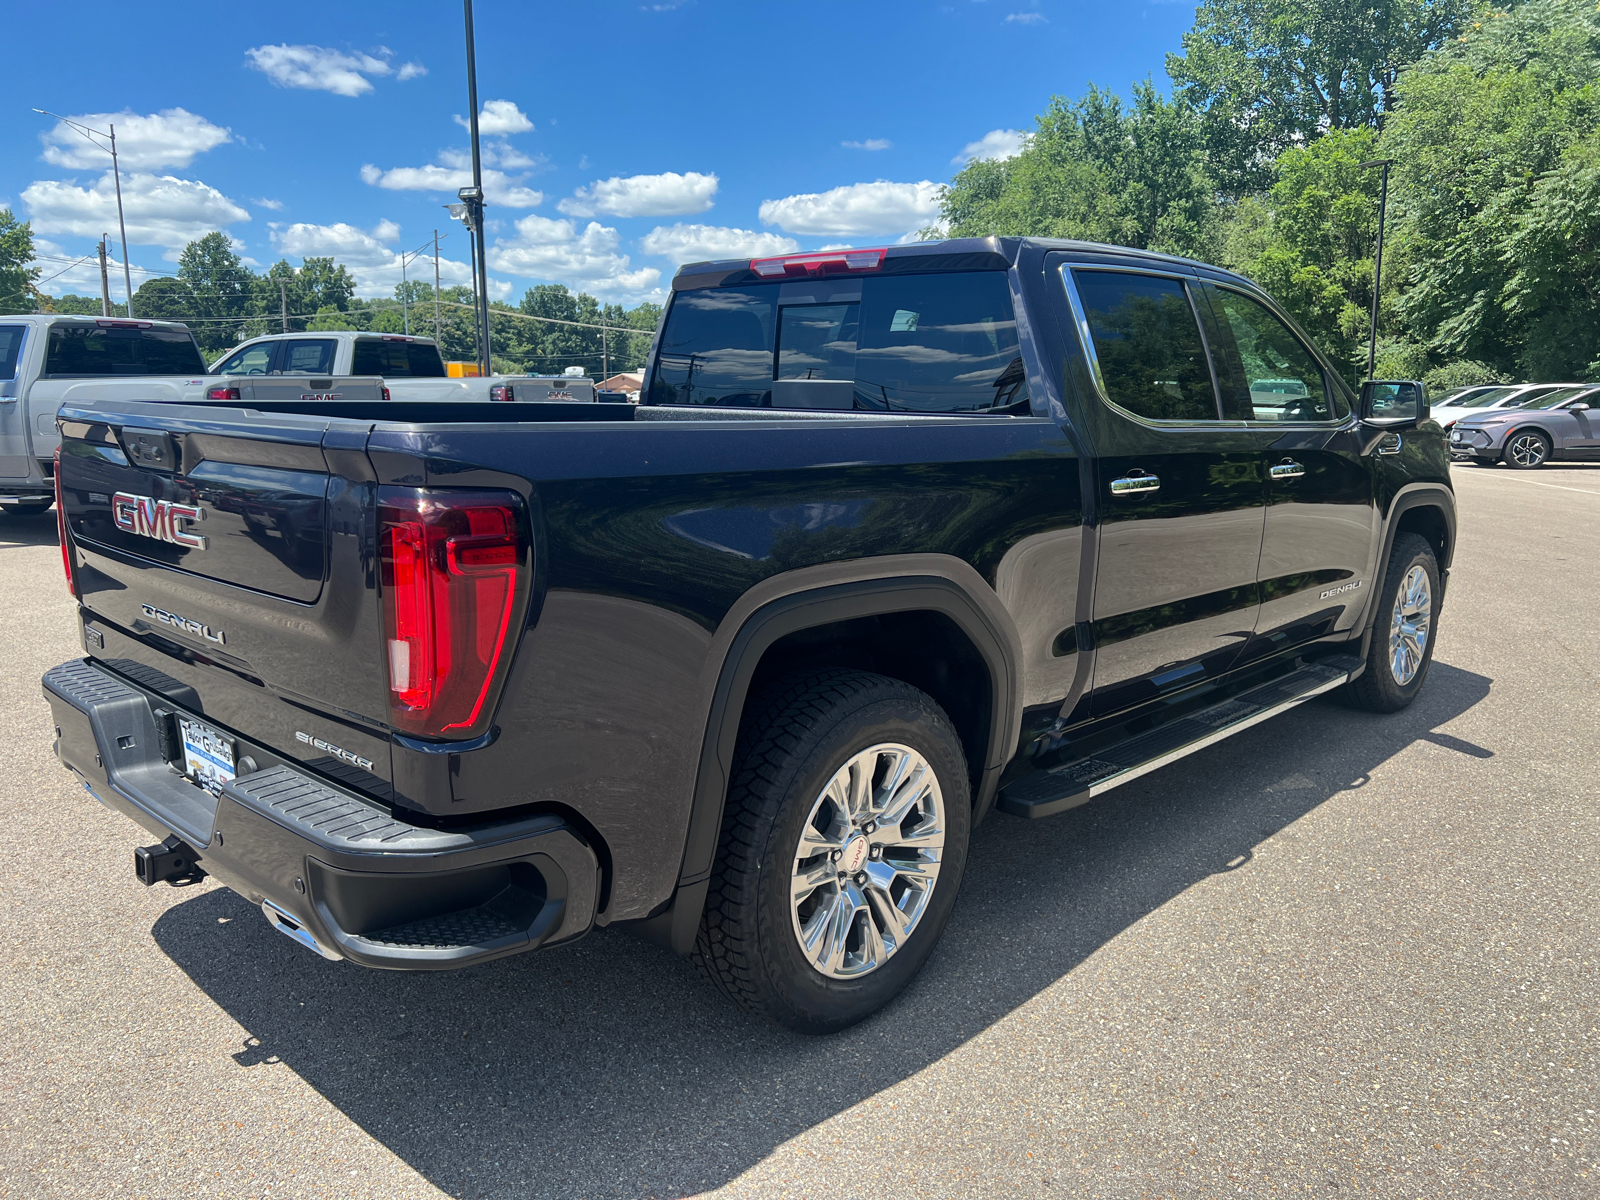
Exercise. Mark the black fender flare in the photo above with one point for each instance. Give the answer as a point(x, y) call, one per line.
point(1416, 495)
point(804, 599)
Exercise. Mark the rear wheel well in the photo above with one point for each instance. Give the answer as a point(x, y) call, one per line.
point(926, 649)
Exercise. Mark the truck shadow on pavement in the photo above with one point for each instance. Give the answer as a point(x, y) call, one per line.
point(609, 1069)
point(37, 530)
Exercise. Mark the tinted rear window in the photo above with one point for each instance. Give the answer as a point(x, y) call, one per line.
point(121, 350)
point(10, 347)
point(1152, 361)
point(895, 343)
point(397, 360)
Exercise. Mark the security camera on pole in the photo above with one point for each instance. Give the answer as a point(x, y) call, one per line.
point(472, 198)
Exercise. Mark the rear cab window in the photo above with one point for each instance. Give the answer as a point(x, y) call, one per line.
point(79, 349)
point(1147, 345)
point(396, 358)
point(914, 343)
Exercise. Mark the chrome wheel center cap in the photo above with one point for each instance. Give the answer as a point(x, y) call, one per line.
point(855, 853)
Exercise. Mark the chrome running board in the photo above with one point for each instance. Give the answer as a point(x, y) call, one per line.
point(1045, 793)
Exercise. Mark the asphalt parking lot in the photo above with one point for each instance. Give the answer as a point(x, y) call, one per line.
point(1337, 955)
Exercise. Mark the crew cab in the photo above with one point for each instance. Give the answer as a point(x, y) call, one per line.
point(411, 367)
point(47, 358)
point(896, 539)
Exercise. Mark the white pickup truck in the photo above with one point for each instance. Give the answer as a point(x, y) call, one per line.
point(412, 367)
point(47, 359)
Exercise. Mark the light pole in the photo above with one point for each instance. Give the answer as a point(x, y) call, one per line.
point(472, 196)
point(1377, 265)
point(89, 135)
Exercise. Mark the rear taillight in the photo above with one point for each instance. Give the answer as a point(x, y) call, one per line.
point(61, 531)
point(502, 391)
point(823, 262)
point(455, 574)
point(385, 393)
point(222, 393)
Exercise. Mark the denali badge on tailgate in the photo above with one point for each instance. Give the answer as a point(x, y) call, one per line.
point(183, 623)
point(159, 519)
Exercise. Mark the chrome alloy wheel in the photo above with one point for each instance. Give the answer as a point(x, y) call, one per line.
point(1526, 449)
point(867, 861)
point(1410, 626)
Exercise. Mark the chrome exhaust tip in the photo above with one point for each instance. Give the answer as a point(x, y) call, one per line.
point(290, 926)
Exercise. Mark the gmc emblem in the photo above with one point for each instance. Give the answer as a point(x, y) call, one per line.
point(159, 519)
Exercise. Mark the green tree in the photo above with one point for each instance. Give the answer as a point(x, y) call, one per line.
point(1100, 170)
point(17, 272)
point(1310, 241)
point(326, 284)
point(220, 290)
point(1496, 139)
point(163, 298)
point(1271, 74)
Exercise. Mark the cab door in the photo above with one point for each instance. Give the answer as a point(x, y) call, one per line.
point(1321, 529)
point(1181, 492)
point(16, 453)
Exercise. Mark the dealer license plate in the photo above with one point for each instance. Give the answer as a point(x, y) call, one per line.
point(207, 754)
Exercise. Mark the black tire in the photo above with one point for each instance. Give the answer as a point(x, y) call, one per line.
point(1378, 689)
point(27, 508)
point(794, 738)
point(1526, 449)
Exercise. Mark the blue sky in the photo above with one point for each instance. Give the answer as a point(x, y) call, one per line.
point(626, 137)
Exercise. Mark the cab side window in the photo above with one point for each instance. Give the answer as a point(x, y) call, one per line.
point(307, 358)
point(1264, 372)
point(1152, 360)
point(252, 360)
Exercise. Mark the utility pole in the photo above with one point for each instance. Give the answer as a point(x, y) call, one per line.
point(405, 298)
point(605, 348)
point(438, 336)
point(283, 297)
point(89, 134)
point(1377, 266)
point(105, 282)
point(473, 198)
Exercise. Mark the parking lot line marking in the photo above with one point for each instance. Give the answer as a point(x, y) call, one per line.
point(1513, 479)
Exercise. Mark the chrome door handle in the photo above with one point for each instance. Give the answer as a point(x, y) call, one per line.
point(1132, 485)
point(1288, 469)
point(1391, 444)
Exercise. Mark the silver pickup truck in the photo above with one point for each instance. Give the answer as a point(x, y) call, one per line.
point(48, 359)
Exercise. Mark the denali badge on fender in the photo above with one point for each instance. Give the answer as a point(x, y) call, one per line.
point(159, 519)
point(183, 623)
point(1348, 587)
point(337, 751)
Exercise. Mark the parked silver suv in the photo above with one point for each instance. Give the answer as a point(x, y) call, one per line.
point(1563, 424)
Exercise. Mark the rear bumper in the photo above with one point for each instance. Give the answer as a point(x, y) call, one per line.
point(333, 870)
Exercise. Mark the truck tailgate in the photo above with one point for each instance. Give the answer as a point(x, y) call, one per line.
point(225, 559)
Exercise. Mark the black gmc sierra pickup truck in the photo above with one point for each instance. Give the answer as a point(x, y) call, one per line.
point(895, 538)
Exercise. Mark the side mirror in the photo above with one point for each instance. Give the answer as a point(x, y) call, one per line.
point(1580, 406)
point(1394, 404)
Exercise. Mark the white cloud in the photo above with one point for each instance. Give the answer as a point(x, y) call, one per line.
point(498, 187)
point(997, 144)
point(588, 260)
point(499, 117)
point(169, 138)
point(666, 195)
point(869, 144)
point(410, 70)
point(375, 266)
point(317, 68)
point(701, 243)
point(857, 209)
point(1027, 18)
point(161, 210)
point(274, 205)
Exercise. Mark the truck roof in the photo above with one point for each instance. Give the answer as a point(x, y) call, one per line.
point(948, 254)
point(350, 335)
point(83, 318)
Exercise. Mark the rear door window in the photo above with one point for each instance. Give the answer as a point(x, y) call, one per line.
point(309, 357)
point(76, 349)
point(1147, 344)
point(1264, 371)
point(943, 343)
point(10, 349)
point(396, 359)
